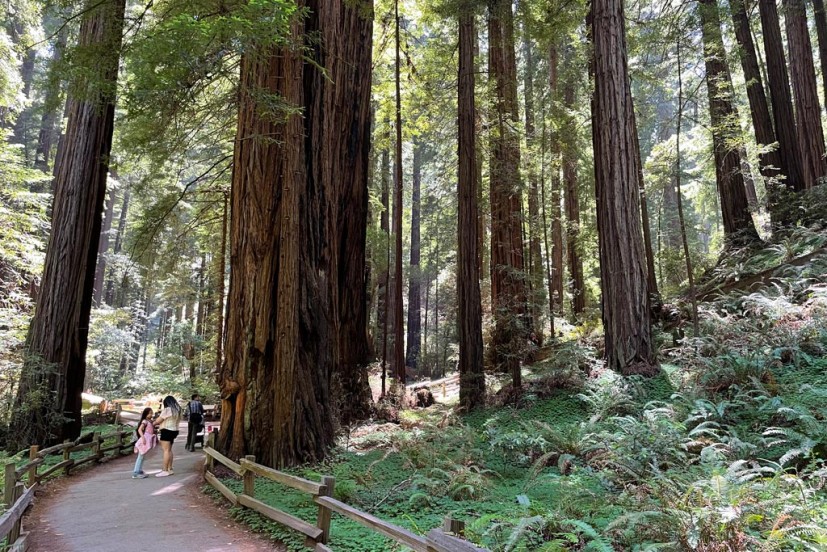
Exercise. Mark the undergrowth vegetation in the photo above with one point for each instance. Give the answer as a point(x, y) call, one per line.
point(724, 450)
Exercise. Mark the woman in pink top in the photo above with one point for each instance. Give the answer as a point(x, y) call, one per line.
point(145, 443)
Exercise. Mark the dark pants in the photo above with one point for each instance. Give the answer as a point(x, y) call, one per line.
point(193, 427)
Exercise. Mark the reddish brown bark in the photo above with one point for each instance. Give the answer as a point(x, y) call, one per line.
point(780, 97)
point(508, 292)
point(398, 328)
point(738, 224)
point(626, 321)
point(58, 334)
point(415, 274)
point(805, 92)
point(472, 378)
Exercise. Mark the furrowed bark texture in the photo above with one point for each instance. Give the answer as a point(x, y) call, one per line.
point(472, 377)
point(299, 182)
point(414, 339)
point(626, 320)
point(59, 331)
point(805, 92)
point(508, 293)
point(770, 162)
point(735, 213)
point(780, 97)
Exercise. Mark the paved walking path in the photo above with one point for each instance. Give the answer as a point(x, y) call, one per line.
point(104, 509)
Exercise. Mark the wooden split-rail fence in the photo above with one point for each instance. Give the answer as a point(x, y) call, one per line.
point(21, 482)
point(317, 536)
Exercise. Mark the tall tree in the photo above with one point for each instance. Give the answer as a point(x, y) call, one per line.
point(469, 318)
point(555, 285)
point(109, 296)
point(384, 226)
point(507, 264)
point(398, 328)
point(805, 92)
point(770, 161)
point(821, 30)
point(535, 259)
point(51, 105)
point(738, 224)
point(780, 98)
point(289, 231)
point(626, 319)
point(103, 249)
point(414, 339)
point(48, 404)
point(219, 273)
point(572, 199)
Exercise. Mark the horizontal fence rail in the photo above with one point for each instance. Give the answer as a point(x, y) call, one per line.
point(20, 482)
point(317, 536)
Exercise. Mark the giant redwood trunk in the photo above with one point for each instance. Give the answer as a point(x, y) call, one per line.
point(781, 99)
point(555, 285)
point(47, 408)
point(508, 292)
point(398, 329)
point(626, 321)
point(805, 92)
point(738, 224)
point(471, 375)
point(535, 259)
point(414, 339)
point(299, 182)
point(821, 30)
point(769, 162)
point(571, 198)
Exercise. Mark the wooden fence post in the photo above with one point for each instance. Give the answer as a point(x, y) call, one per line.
point(250, 479)
point(455, 526)
point(33, 470)
point(119, 450)
point(323, 520)
point(14, 534)
point(96, 446)
point(209, 462)
point(67, 455)
point(118, 414)
point(8, 485)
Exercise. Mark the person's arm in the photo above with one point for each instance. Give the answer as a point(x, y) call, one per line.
point(141, 430)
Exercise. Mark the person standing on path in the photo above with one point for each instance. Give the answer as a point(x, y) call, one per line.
point(145, 443)
point(168, 421)
point(196, 420)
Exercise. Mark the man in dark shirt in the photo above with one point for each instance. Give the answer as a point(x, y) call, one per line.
point(196, 420)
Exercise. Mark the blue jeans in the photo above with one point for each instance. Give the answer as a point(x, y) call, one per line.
point(139, 463)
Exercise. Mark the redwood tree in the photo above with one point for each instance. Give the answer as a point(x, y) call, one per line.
point(507, 266)
point(571, 198)
point(48, 404)
point(738, 224)
point(415, 277)
point(821, 29)
point(626, 319)
point(472, 378)
point(805, 92)
point(298, 216)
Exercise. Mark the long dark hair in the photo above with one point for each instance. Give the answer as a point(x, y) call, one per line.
point(144, 416)
point(172, 404)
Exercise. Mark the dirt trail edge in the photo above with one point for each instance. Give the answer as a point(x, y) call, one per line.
point(104, 509)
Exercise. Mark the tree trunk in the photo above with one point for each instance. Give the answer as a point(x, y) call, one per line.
point(471, 375)
point(782, 103)
point(626, 318)
point(414, 339)
point(507, 270)
point(556, 284)
point(109, 296)
point(398, 329)
point(738, 224)
point(535, 259)
point(572, 200)
point(382, 289)
point(769, 162)
point(51, 105)
point(821, 30)
point(56, 363)
point(293, 194)
point(21, 125)
point(805, 92)
point(103, 248)
point(220, 269)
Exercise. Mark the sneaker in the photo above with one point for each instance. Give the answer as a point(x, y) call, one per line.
point(139, 475)
point(162, 474)
point(171, 472)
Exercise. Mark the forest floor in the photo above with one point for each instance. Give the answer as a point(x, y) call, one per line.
point(723, 450)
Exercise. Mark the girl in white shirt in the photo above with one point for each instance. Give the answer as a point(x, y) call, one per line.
point(168, 421)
